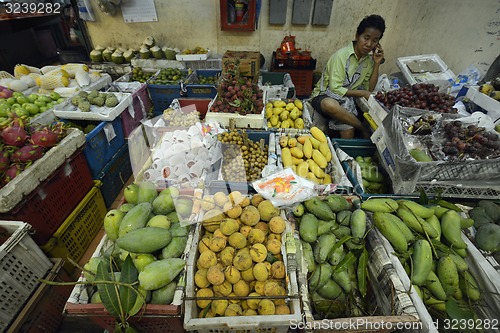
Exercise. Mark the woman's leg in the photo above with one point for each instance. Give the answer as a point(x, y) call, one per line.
point(333, 109)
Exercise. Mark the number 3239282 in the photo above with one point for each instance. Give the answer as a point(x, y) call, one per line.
point(468, 324)
point(32, 8)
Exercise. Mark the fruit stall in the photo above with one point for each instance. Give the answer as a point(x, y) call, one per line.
point(161, 190)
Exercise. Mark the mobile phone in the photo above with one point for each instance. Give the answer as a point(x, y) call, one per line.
point(375, 50)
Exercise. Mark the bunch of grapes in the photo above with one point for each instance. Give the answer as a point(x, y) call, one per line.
point(470, 141)
point(425, 96)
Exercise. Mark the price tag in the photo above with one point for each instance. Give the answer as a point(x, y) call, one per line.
point(109, 131)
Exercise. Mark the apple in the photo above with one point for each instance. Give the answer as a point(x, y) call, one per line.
point(39, 102)
point(4, 112)
point(50, 105)
point(33, 109)
point(44, 98)
point(22, 99)
point(43, 109)
point(16, 105)
point(54, 96)
point(22, 112)
point(11, 100)
point(17, 94)
point(33, 97)
point(60, 100)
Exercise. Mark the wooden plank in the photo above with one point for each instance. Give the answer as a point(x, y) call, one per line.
point(322, 12)
point(301, 12)
point(277, 11)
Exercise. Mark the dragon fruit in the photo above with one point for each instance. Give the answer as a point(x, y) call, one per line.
point(12, 172)
point(15, 135)
point(44, 138)
point(28, 153)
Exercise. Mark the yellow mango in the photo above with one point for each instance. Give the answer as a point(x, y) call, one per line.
point(269, 105)
point(302, 138)
point(303, 169)
point(323, 148)
point(274, 120)
point(286, 157)
point(292, 142)
point(318, 134)
point(298, 104)
point(299, 123)
point(277, 111)
point(283, 141)
point(277, 103)
point(296, 152)
point(312, 178)
point(289, 106)
point(315, 169)
point(284, 115)
point(269, 113)
point(319, 158)
point(315, 142)
point(296, 160)
point(308, 148)
point(327, 179)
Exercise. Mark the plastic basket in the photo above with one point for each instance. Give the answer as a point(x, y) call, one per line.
point(256, 121)
point(29, 180)
point(302, 79)
point(274, 85)
point(154, 318)
point(22, 264)
point(140, 107)
point(50, 204)
point(103, 142)
point(76, 233)
point(197, 90)
point(162, 96)
point(43, 311)
point(210, 63)
point(115, 174)
point(189, 105)
point(247, 324)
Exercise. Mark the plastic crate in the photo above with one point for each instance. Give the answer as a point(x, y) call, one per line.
point(138, 110)
point(189, 105)
point(210, 63)
point(115, 174)
point(22, 264)
point(43, 311)
point(162, 96)
point(76, 233)
point(289, 63)
point(275, 85)
point(154, 318)
point(247, 324)
point(302, 79)
point(255, 121)
point(197, 90)
point(103, 142)
point(29, 180)
point(50, 204)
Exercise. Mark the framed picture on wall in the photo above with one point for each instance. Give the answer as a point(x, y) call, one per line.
point(238, 15)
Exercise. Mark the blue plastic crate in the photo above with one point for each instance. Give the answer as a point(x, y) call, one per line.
point(115, 174)
point(162, 96)
point(197, 90)
point(99, 150)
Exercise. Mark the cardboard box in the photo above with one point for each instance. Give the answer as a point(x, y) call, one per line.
point(248, 62)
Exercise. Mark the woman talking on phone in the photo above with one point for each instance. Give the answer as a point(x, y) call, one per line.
point(350, 72)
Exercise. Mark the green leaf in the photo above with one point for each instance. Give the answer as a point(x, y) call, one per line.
point(129, 275)
point(348, 260)
point(362, 272)
point(459, 311)
point(108, 292)
point(338, 244)
point(449, 205)
point(424, 199)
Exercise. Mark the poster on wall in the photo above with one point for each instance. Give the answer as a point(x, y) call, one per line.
point(134, 11)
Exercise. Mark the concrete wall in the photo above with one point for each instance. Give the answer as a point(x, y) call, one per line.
point(462, 32)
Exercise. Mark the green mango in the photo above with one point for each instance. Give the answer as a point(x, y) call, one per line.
point(163, 204)
point(112, 222)
point(488, 237)
point(164, 295)
point(130, 193)
point(320, 209)
point(160, 273)
point(147, 192)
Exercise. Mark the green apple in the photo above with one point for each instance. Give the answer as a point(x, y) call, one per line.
point(43, 109)
point(16, 105)
point(24, 105)
point(60, 100)
point(17, 94)
point(20, 111)
point(54, 96)
point(131, 193)
point(4, 112)
point(160, 221)
point(40, 103)
point(22, 99)
point(142, 260)
point(44, 98)
point(33, 109)
point(11, 100)
point(50, 105)
point(112, 222)
point(33, 97)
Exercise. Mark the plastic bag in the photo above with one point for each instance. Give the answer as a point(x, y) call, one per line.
point(285, 188)
point(470, 76)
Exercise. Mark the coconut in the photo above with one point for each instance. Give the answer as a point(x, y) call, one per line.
point(169, 53)
point(106, 54)
point(117, 57)
point(121, 49)
point(157, 52)
point(99, 48)
point(134, 51)
point(96, 55)
point(149, 41)
point(128, 55)
point(145, 53)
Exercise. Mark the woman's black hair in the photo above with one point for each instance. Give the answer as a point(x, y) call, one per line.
point(371, 21)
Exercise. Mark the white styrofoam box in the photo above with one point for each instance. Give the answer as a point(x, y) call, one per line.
point(28, 180)
point(67, 110)
point(240, 121)
point(156, 63)
point(412, 78)
point(486, 102)
point(193, 57)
